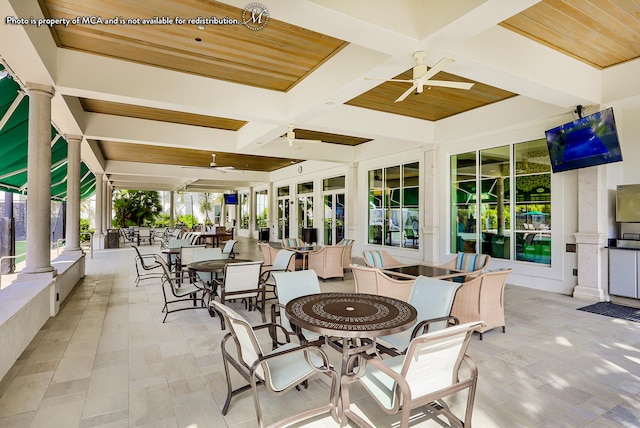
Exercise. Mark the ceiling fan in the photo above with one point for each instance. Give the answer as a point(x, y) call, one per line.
point(290, 138)
point(214, 166)
point(422, 76)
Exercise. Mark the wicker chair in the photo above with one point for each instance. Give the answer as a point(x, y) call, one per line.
point(374, 281)
point(327, 262)
point(468, 262)
point(482, 298)
point(346, 257)
point(380, 259)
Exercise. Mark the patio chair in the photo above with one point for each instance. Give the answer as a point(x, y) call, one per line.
point(380, 259)
point(468, 262)
point(327, 262)
point(268, 253)
point(433, 299)
point(198, 253)
point(346, 257)
point(227, 251)
point(428, 372)
point(291, 285)
point(241, 281)
point(144, 234)
point(187, 292)
point(410, 234)
point(280, 370)
point(284, 261)
point(146, 266)
point(293, 243)
point(374, 281)
point(482, 298)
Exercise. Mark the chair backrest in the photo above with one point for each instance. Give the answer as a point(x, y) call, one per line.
point(293, 243)
point(242, 277)
point(266, 253)
point(140, 258)
point(177, 243)
point(167, 277)
point(187, 253)
point(365, 279)
point(282, 260)
point(290, 285)
point(249, 349)
point(346, 242)
point(430, 364)
point(144, 232)
point(203, 253)
point(433, 298)
point(228, 247)
point(471, 261)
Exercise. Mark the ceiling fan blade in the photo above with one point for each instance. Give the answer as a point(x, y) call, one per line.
point(437, 68)
point(406, 94)
point(448, 84)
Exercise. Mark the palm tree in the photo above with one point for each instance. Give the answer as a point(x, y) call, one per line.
point(205, 202)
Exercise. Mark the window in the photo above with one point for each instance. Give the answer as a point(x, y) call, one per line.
point(394, 205)
point(262, 209)
point(244, 210)
point(482, 204)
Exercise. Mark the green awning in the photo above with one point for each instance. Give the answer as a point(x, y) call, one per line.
point(14, 116)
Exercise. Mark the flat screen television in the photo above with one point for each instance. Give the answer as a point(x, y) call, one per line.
point(588, 141)
point(231, 198)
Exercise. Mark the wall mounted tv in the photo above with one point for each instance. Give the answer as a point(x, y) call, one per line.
point(231, 198)
point(588, 141)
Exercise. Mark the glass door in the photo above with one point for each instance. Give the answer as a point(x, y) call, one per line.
point(283, 218)
point(333, 218)
point(283, 212)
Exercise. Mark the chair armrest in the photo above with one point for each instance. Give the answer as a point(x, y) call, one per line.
point(424, 325)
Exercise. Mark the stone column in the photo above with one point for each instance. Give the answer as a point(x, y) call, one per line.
point(98, 235)
point(429, 230)
point(591, 237)
point(73, 193)
point(39, 181)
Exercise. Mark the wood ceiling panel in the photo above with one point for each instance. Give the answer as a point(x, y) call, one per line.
point(142, 112)
point(433, 104)
point(276, 57)
point(345, 140)
point(129, 152)
point(601, 33)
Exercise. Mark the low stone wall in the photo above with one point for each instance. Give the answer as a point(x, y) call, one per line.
point(28, 303)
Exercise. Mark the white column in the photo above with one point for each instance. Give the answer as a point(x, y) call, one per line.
point(171, 209)
point(591, 237)
point(351, 202)
point(73, 193)
point(39, 180)
point(98, 235)
point(429, 230)
point(109, 205)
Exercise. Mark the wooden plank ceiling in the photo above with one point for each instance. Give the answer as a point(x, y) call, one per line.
point(434, 103)
point(128, 152)
point(141, 112)
point(277, 57)
point(600, 33)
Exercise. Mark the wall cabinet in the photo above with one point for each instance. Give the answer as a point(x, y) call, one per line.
point(623, 272)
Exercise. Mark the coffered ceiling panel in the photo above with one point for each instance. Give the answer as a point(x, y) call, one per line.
point(277, 57)
point(129, 152)
point(434, 103)
point(141, 112)
point(600, 33)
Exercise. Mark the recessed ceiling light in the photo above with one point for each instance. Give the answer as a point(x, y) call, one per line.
point(329, 103)
point(201, 27)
